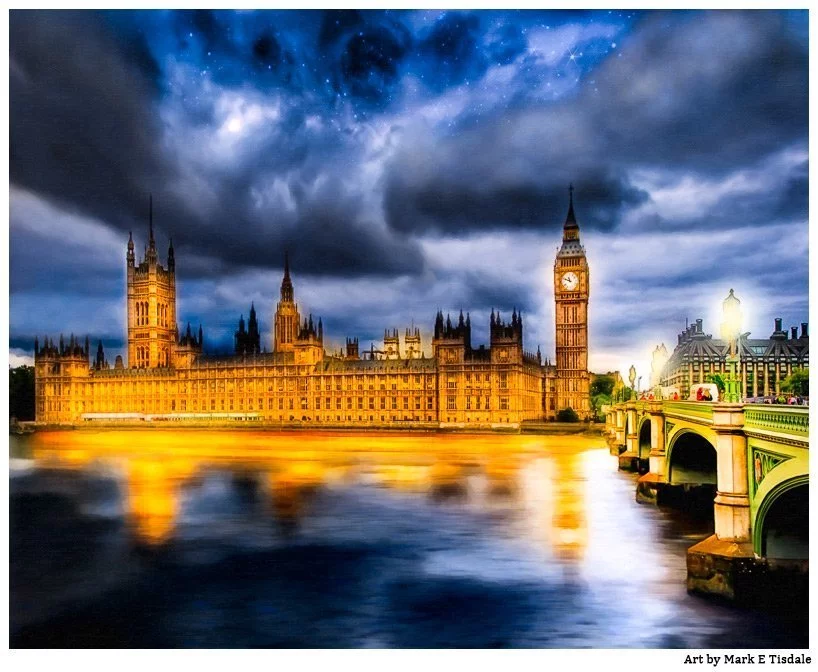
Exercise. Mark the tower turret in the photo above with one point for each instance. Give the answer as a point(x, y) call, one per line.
point(286, 322)
point(171, 258)
point(151, 256)
point(151, 305)
point(286, 283)
point(100, 360)
point(130, 257)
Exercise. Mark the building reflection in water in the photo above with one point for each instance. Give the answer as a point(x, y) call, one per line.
point(540, 481)
point(153, 495)
point(570, 532)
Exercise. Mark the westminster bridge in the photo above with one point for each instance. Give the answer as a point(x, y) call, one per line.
point(752, 460)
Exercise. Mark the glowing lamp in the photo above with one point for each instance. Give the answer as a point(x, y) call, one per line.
point(730, 332)
point(731, 322)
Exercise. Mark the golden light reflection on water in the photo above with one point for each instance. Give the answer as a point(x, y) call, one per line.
point(541, 477)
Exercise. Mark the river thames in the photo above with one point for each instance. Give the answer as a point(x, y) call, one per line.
point(250, 539)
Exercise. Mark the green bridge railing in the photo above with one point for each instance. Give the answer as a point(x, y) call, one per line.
point(792, 420)
point(781, 419)
point(695, 409)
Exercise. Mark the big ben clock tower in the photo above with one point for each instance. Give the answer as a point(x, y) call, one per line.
point(571, 284)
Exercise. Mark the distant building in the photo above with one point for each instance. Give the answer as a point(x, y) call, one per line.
point(764, 362)
point(168, 377)
point(658, 359)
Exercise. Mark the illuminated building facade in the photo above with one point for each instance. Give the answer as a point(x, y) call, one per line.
point(170, 378)
point(571, 292)
point(763, 362)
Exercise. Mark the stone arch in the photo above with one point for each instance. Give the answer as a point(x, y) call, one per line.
point(644, 444)
point(781, 529)
point(691, 459)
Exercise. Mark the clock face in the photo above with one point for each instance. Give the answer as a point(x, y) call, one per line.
point(570, 281)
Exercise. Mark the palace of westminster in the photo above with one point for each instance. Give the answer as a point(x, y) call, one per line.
point(169, 377)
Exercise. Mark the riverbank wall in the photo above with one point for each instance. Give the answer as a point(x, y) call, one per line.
point(540, 428)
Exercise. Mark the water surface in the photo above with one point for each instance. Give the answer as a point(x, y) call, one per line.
point(245, 539)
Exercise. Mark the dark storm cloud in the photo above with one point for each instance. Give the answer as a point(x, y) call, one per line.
point(85, 131)
point(236, 48)
point(484, 294)
point(82, 123)
point(453, 51)
point(432, 201)
point(719, 90)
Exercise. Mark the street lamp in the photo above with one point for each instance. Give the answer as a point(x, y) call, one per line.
point(730, 332)
point(632, 377)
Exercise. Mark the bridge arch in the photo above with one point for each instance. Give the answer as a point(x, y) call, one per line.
point(781, 529)
point(644, 437)
point(691, 459)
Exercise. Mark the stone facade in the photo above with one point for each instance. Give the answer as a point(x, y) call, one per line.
point(763, 362)
point(170, 378)
point(571, 292)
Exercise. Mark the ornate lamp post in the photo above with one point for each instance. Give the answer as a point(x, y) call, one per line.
point(730, 332)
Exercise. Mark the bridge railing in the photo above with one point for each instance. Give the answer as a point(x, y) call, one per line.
point(696, 409)
point(780, 419)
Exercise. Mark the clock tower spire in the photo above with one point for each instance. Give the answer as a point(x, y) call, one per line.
point(571, 291)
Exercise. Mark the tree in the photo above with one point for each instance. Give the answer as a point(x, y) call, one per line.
point(797, 382)
point(567, 415)
point(718, 380)
point(602, 385)
point(21, 393)
point(597, 402)
point(623, 394)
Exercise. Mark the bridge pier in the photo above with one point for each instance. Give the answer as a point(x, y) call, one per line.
point(724, 562)
point(629, 460)
point(649, 485)
point(617, 441)
point(610, 429)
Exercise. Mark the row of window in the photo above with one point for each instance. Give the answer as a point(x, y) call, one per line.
point(272, 404)
point(473, 403)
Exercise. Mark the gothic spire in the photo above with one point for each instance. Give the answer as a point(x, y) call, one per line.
point(150, 252)
point(571, 218)
point(171, 259)
point(571, 227)
point(150, 222)
point(286, 283)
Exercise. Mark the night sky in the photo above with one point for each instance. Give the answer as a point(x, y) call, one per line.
point(410, 162)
